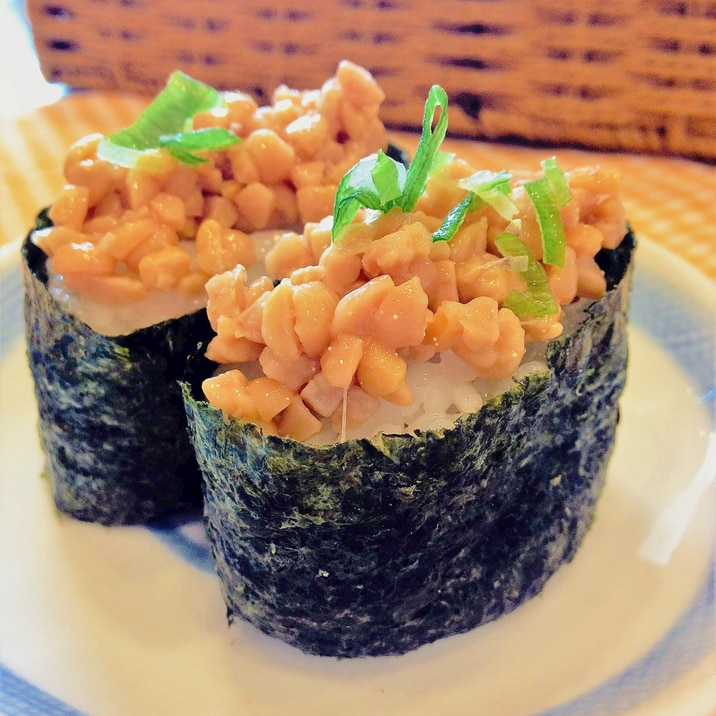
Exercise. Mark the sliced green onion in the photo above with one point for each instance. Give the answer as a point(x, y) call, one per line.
point(184, 145)
point(168, 116)
point(485, 180)
point(493, 189)
point(387, 178)
point(428, 147)
point(538, 300)
point(369, 183)
point(549, 220)
point(454, 219)
point(379, 182)
point(557, 181)
point(169, 112)
point(548, 194)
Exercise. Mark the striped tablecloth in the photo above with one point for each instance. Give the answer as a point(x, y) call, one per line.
point(669, 200)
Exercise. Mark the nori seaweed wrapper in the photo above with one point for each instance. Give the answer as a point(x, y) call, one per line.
point(112, 420)
point(375, 547)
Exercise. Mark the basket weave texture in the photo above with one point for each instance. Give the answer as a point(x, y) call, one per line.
point(636, 75)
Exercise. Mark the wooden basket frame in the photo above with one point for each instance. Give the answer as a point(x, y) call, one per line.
point(635, 75)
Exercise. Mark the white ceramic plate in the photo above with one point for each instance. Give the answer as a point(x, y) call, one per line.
point(125, 621)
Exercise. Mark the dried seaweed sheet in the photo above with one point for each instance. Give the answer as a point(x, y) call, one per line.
point(374, 547)
point(112, 421)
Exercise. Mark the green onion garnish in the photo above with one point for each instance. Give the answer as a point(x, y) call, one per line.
point(183, 145)
point(379, 182)
point(548, 194)
point(454, 219)
point(388, 178)
point(428, 147)
point(166, 123)
point(538, 300)
point(371, 183)
point(493, 189)
point(484, 188)
point(557, 181)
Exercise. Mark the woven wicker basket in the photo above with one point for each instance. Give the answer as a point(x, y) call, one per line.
point(612, 74)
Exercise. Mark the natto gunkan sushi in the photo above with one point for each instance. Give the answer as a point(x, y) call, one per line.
point(412, 416)
point(115, 271)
